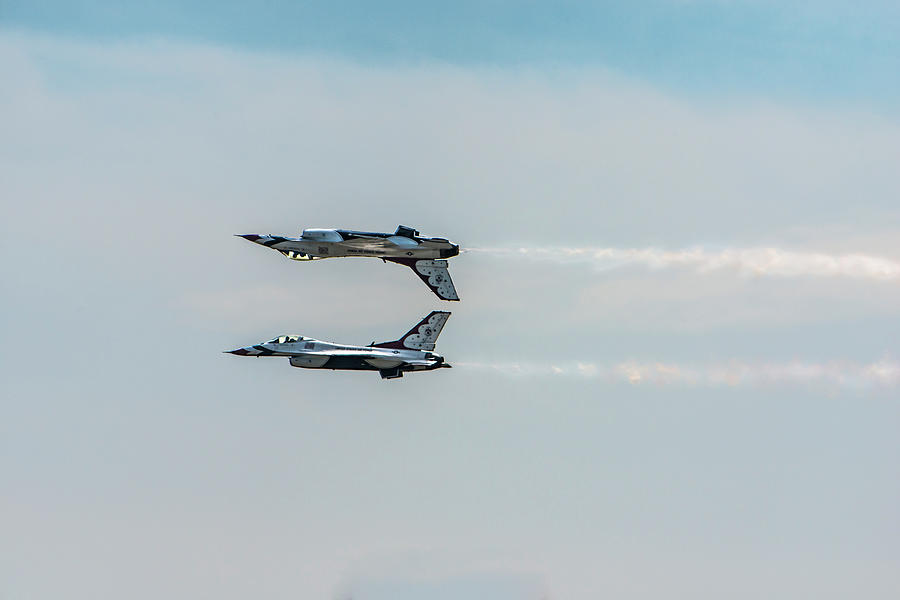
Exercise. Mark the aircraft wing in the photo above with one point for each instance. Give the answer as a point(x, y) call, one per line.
point(359, 353)
point(371, 241)
point(434, 273)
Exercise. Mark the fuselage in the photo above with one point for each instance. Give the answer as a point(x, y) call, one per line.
point(333, 243)
point(310, 353)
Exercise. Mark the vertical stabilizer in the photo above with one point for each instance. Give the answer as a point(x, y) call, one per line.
point(433, 272)
point(421, 337)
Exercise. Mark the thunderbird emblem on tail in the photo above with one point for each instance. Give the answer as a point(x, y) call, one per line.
point(425, 256)
point(412, 352)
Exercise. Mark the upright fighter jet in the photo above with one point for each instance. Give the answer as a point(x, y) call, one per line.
point(422, 254)
point(412, 352)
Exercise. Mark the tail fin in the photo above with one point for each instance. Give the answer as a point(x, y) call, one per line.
point(422, 336)
point(433, 272)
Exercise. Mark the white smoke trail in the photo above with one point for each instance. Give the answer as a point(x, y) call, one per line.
point(753, 261)
point(883, 373)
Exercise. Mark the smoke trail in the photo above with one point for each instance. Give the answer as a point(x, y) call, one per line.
point(883, 373)
point(753, 261)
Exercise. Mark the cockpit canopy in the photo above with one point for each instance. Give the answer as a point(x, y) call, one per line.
point(322, 235)
point(286, 339)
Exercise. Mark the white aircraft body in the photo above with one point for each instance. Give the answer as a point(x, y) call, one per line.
point(412, 352)
point(425, 256)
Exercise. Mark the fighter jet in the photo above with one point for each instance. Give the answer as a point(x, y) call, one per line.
point(412, 352)
point(422, 254)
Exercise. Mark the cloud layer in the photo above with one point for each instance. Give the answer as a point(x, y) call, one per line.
point(143, 463)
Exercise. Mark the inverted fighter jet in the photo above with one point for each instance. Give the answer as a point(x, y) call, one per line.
point(423, 255)
point(412, 352)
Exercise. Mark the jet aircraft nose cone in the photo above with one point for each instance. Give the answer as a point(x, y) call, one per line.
point(248, 236)
point(239, 352)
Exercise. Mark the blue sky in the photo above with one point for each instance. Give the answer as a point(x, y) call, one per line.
point(720, 409)
point(834, 50)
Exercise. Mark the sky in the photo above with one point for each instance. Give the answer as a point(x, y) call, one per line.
point(676, 367)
